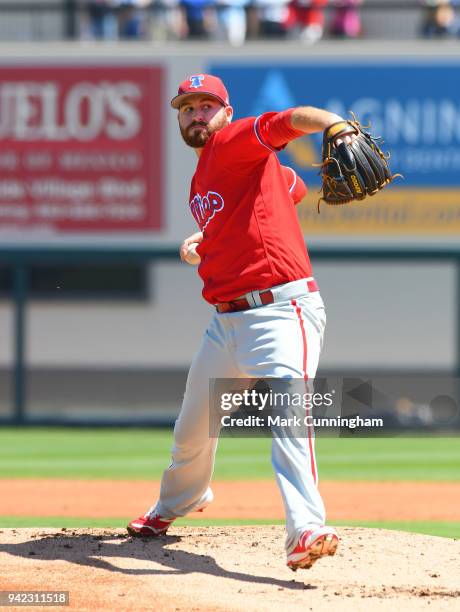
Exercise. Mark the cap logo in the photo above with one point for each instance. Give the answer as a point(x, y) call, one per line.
point(196, 80)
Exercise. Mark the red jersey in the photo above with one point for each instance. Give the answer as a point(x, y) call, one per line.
point(240, 199)
point(297, 187)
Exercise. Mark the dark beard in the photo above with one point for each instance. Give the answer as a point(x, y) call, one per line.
point(195, 139)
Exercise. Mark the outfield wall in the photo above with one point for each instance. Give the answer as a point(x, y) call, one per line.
point(380, 315)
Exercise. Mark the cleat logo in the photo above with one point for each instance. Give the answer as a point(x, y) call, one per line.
point(205, 207)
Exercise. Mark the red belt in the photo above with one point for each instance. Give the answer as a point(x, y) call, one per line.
point(266, 297)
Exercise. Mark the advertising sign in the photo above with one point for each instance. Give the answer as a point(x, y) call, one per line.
point(414, 107)
point(80, 150)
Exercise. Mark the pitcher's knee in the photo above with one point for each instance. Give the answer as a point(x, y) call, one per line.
point(187, 452)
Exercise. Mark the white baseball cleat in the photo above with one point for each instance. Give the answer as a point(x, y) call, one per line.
point(313, 545)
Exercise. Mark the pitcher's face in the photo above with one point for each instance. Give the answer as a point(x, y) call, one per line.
point(200, 116)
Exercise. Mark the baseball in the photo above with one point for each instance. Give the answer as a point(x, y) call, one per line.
point(192, 256)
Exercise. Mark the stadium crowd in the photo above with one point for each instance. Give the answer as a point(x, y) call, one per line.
point(236, 21)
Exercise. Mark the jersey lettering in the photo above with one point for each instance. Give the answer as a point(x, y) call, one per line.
point(205, 207)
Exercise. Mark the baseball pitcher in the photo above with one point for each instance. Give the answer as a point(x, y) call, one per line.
point(269, 317)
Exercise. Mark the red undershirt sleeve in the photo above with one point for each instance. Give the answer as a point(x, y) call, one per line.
point(275, 129)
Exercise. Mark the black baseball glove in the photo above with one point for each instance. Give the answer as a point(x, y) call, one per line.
point(353, 165)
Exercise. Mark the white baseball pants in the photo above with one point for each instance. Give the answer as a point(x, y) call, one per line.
point(281, 340)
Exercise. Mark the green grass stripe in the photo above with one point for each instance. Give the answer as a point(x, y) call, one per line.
point(445, 529)
point(136, 454)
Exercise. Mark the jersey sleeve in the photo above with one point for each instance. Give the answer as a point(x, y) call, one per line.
point(297, 187)
point(238, 146)
point(248, 141)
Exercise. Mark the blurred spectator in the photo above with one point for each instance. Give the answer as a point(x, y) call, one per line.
point(132, 19)
point(199, 18)
point(252, 20)
point(345, 19)
point(440, 20)
point(306, 18)
point(166, 21)
point(102, 20)
point(273, 16)
point(231, 20)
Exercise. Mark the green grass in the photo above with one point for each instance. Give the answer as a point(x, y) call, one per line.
point(437, 528)
point(445, 529)
point(144, 454)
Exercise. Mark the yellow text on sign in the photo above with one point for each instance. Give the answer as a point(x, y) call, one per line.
point(392, 211)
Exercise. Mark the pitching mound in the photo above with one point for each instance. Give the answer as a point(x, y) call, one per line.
point(231, 568)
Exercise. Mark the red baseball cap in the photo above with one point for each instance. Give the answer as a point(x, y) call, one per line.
point(201, 84)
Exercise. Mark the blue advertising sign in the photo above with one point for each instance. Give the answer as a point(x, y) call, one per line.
point(415, 108)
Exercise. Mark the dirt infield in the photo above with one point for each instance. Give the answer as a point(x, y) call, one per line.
point(231, 568)
point(345, 501)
